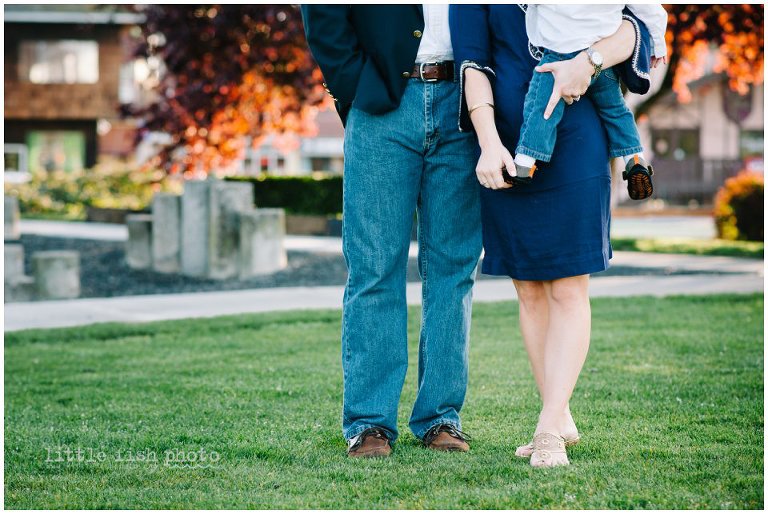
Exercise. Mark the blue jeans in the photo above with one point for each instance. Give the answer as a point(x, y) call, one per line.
point(412, 159)
point(538, 136)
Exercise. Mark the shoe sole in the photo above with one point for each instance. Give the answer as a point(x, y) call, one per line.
point(639, 187)
point(448, 449)
point(370, 455)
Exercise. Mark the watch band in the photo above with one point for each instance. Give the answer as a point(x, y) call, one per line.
point(598, 67)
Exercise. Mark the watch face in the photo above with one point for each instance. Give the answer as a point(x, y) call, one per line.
point(597, 58)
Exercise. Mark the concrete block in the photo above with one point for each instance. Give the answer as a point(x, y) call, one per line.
point(262, 242)
point(227, 200)
point(138, 248)
point(195, 219)
point(57, 274)
point(12, 217)
point(18, 286)
point(21, 289)
point(14, 261)
point(166, 233)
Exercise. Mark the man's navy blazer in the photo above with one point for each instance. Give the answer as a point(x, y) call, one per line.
point(366, 52)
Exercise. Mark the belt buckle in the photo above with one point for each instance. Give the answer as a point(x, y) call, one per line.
point(421, 72)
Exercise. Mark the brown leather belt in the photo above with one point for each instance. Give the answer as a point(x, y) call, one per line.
point(433, 71)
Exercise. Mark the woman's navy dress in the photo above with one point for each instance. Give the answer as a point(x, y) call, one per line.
point(558, 225)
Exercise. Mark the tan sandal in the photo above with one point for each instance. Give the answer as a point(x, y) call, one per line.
point(525, 451)
point(548, 451)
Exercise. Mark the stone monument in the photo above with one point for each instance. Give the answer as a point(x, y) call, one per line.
point(212, 231)
point(12, 218)
point(57, 274)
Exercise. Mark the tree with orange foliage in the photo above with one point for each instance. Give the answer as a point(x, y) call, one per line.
point(231, 73)
point(734, 31)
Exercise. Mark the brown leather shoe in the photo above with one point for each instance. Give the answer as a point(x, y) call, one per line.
point(372, 442)
point(446, 438)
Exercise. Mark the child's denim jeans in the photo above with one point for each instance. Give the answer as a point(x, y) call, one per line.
point(537, 135)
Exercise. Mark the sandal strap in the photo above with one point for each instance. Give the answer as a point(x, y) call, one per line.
point(570, 439)
point(548, 443)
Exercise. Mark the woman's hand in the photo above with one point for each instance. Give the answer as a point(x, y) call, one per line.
point(493, 157)
point(572, 78)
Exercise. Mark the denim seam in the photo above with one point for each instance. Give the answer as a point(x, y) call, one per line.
point(441, 421)
point(527, 126)
point(365, 427)
point(425, 146)
point(424, 286)
point(532, 153)
point(623, 152)
point(345, 325)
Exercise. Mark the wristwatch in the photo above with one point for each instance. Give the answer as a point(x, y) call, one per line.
point(596, 58)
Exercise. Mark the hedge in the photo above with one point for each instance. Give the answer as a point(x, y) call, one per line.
point(739, 208)
point(297, 195)
point(67, 194)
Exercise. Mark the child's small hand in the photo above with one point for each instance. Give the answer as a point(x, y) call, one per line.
point(656, 60)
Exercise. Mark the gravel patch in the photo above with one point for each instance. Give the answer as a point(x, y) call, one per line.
point(104, 272)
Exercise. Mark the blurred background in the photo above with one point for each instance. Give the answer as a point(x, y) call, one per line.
point(184, 162)
point(108, 105)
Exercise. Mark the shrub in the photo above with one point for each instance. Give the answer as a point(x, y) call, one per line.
point(316, 194)
point(739, 208)
point(67, 194)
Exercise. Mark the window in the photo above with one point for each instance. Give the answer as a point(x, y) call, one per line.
point(15, 163)
point(65, 61)
point(137, 77)
point(320, 163)
point(675, 144)
point(56, 150)
point(751, 143)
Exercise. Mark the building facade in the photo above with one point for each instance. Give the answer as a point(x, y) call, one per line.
point(695, 146)
point(67, 69)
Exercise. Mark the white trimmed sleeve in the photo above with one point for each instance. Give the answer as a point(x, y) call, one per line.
point(655, 18)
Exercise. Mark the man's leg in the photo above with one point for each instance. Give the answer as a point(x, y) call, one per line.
point(449, 247)
point(382, 174)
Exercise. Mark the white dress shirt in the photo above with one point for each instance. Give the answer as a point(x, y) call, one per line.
point(568, 28)
point(435, 43)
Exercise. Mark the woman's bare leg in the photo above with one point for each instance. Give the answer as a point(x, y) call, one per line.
point(534, 324)
point(566, 347)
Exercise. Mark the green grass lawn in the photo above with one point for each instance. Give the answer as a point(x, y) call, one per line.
point(722, 247)
point(670, 407)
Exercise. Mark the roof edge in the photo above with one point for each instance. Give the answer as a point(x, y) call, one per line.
point(102, 18)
